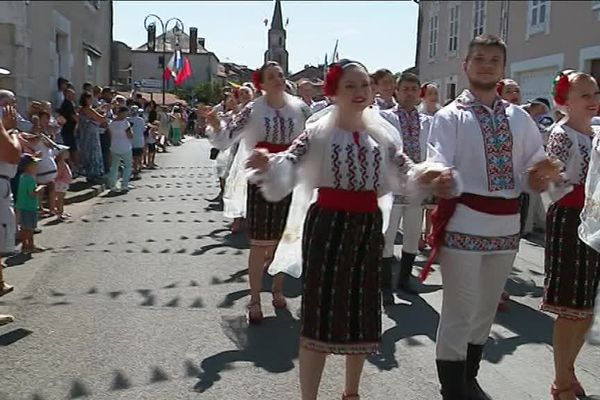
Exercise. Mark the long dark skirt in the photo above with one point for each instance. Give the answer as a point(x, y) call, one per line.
point(266, 220)
point(572, 267)
point(341, 305)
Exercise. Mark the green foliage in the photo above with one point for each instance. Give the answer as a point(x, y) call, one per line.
point(209, 93)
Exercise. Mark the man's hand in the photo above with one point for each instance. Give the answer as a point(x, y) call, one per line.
point(211, 117)
point(259, 160)
point(443, 184)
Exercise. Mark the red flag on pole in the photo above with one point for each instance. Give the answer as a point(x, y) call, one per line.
point(184, 73)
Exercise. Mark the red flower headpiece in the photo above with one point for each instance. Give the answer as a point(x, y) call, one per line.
point(561, 87)
point(334, 73)
point(256, 80)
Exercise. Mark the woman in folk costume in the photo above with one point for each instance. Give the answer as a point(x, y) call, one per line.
point(572, 267)
point(271, 122)
point(495, 151)
point(510, 91)
point(430, 99)
point(414, 130)
point(222, 161)
point(351, 155)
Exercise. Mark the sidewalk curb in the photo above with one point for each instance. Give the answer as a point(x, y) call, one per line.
point(84, 195)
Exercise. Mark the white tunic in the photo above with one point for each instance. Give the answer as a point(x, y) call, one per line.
point(266, 124)
point(490, 150)
point(589, 230)
point(573, 148)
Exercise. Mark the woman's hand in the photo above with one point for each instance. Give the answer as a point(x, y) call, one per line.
point(543, 173)
point(259, 160)
point(9, 118)
point(211, 117)
point(443, 184)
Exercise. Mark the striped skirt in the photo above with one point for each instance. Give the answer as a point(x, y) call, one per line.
point(572, 268)
point(266, 220)
point(341, 305)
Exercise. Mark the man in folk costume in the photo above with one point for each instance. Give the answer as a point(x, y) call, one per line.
point(414, 129)
point(495, 151)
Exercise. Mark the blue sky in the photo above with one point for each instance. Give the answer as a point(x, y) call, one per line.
point(377, 33)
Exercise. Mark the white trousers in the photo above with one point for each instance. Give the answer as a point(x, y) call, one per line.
point(412, 225)
point(473, 284)
point(536, 215)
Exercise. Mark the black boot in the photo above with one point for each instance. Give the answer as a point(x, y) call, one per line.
point(474, 391)
point(406, 266)
point(386, 280)
point(452, 378)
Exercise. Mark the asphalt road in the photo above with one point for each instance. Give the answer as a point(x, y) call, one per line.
point(143, 297)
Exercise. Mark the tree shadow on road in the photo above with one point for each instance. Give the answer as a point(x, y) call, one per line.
point(413, 317)
point(272, 346)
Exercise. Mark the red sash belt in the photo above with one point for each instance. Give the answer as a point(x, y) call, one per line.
point(272, 147)
point(347, 200)
point(445, 210)
point(574, 199)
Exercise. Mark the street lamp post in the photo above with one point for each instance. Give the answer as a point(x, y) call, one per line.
point(165, 26)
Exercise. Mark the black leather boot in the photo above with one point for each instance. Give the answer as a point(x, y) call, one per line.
point(452, 378)
point(406, 266)
point(386, 280)
point(474, 391)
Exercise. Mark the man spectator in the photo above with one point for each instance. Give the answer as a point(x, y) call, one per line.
point(87, 87)
point(7, 98)
point(68, 112)
point(59, 95)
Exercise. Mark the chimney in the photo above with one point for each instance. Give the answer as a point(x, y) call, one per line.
point(201, 42)
point(193, 40)
point(151, 43)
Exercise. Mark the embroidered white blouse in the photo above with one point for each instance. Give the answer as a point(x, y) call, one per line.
point(276, 126)
point(353, 161)
point(383, 104)
point(414, 129)
point(573, 148)
point(490, 151)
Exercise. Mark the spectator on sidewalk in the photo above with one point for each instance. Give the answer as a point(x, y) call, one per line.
point(28, 203)
point(61, 182)
point(90, 150)
point(69, 113)
point(59, 95)
point(137, 126)
point(10, 151)
point(121, 137)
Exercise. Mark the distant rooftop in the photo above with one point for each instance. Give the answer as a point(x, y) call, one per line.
point(184, 43)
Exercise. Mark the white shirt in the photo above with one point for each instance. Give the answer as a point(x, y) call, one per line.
point(414, 143)
point(137, 126)
point(484, 167)
point(119, 142)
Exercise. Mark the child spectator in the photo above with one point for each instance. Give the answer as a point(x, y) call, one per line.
point(151, 138)
point(120, 149)
point(137, 126)
point(61, 183)
point(28, 203)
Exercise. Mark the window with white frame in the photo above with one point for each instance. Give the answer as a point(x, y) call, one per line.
point(453, 28)
point(478, 17)
point(433, 35)
point(91, 64)
point(595, 4)
point(539, 15)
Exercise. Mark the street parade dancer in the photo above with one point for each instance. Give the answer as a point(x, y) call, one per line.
point(350, 156)
point(271, 122)
point(414, 129)
point(509, 90)
point(572, 267)
point(495, 152)
point(430, 99)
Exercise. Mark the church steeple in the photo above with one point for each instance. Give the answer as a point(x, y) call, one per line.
point(277, 35)
point(277, 21)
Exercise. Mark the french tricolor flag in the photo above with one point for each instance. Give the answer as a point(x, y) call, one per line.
point(174, 65)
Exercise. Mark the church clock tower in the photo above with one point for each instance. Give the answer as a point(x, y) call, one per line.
point(276, 50)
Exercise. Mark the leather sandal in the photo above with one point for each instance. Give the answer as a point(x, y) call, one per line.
point(350, 396)
point(556, 392)
point(279, 301)
point(255, 315)
point(577, 388)
point(5, 288)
